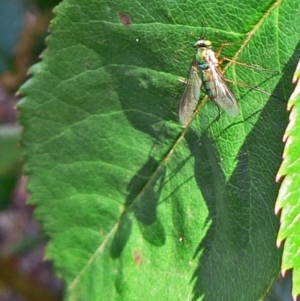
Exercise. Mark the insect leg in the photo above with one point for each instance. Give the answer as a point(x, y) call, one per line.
point(256, 67)
point(221, 48)
point(255, 88)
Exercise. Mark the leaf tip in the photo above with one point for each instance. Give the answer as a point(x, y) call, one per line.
point(276, 209)
point(278, 178)
point(279, 245)
point(295, 297)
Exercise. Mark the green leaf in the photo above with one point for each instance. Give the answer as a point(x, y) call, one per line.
point(10, 163)
point(137, 208)
point(288, 196)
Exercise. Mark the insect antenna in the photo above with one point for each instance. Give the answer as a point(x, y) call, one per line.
point(203, 34)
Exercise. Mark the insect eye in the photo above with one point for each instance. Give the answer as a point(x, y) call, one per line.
point(196, 45)
point(207, 43)
point(200, 43)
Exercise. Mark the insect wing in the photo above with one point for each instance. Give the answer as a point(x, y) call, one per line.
point(225, 98)
point(190, 96)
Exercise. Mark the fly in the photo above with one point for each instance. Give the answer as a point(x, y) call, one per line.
point(206, 74)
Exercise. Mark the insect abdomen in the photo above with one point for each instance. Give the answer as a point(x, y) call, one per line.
point(209, 84)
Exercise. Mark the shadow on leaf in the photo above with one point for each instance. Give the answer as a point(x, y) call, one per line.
point(243, 225)
point(141, 203)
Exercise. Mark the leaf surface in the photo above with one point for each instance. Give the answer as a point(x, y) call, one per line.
point(135, 206)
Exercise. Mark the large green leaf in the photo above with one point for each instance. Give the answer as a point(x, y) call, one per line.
point(135, 206)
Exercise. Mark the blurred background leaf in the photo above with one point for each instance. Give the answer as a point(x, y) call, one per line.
point(9, 162)
point(24, 274)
